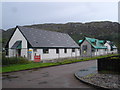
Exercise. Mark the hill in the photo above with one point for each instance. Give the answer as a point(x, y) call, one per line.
point(105, 30)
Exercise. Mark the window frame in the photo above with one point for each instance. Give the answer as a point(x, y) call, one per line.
point(65, 50)
point(45, 50)
point(35, 50)
point(57, 50)
point(73, 49)
point(93, 49)
point(84, 47)
point(97, 50)
point(111, 49)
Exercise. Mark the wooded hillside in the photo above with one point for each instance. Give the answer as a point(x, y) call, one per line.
point(101, 30)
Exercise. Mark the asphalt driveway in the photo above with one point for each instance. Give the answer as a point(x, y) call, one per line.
point(51, 77)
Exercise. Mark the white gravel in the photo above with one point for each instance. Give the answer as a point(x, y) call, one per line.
point(103, 80)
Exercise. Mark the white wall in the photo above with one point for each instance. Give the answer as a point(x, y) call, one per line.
point(108, 46)
point(77, 52)
point(100, 52)
point(53, 55)
point(18, 36)
point(109, 49)
point(11, 53)
point(68, 54)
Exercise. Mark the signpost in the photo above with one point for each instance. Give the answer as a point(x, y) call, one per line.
point(37, 58)
point(29, 53)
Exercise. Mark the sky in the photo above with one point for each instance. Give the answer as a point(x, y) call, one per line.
point(28, 13)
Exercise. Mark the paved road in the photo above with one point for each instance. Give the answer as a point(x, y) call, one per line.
point(51, 77)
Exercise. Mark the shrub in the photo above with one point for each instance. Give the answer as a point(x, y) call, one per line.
point(115, 58)
point(14, 60)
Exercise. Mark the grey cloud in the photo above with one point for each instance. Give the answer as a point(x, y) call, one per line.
point(53, 12)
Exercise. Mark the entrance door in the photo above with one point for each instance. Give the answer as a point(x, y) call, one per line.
point(19, 52)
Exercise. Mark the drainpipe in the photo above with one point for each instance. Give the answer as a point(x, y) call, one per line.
point(80, 52)
point(91, 52)
point(75, 53)
point(96, 52)
point(58, 53)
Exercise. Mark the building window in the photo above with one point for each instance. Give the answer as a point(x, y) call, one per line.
point(97, 50)
point(73, 49)
point(34, 50)
point(93, 50)
point(57, 50)
point(65, 50)
point(111, 48)
point(84, 47)
point(45, 50)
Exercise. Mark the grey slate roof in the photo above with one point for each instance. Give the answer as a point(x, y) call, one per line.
point(43, 38)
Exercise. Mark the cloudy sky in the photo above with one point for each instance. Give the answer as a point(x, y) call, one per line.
point(27, 13)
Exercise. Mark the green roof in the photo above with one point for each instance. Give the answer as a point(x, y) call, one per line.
point(101, 41)
point(80, 41)
point(98, 44)
point(93, 40)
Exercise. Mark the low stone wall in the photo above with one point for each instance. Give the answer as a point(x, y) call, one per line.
point(109, 64)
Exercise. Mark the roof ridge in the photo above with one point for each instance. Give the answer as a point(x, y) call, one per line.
point(90, 38)
point(41, 29)
point(97, 45)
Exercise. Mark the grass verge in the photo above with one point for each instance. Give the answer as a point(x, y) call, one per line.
point(17, 67)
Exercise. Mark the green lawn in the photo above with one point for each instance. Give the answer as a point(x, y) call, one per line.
point(17, 67)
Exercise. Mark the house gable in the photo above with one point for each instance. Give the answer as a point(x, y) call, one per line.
point(85, 41)
point(110, 45)
point(17, 36)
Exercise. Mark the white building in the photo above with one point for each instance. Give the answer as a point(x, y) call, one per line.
point(29, 42)
point(93, 47)
point(111, 48)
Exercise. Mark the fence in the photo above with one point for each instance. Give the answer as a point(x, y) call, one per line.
point(109, 64)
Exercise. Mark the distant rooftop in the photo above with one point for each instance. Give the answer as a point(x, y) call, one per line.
point(98, 44)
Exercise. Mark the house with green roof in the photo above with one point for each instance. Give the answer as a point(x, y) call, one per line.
point(93, 47)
